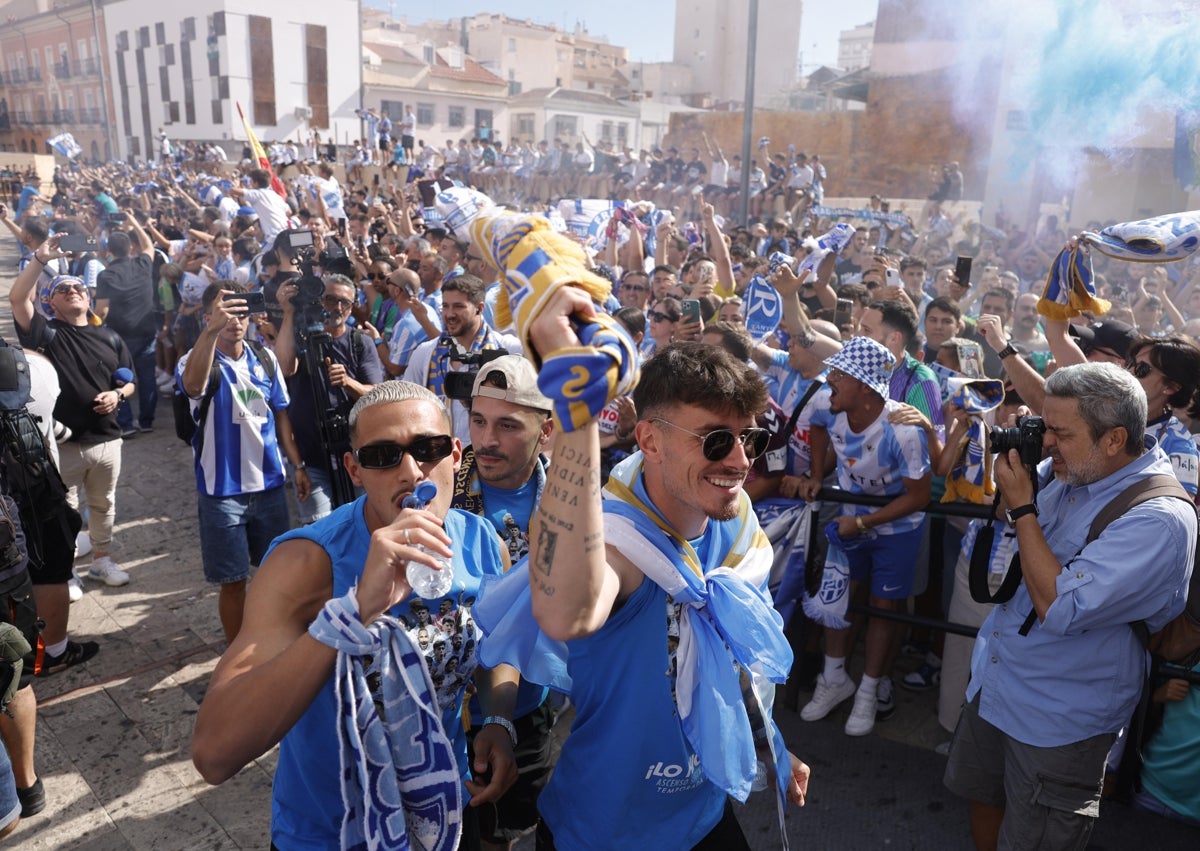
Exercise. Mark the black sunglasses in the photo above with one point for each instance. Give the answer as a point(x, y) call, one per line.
point(719, 443)
point(1141, 369)
point(663, 317)
point(334, 301)
point(424, 450)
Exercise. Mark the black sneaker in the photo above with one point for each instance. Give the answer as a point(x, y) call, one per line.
point(33, 799)
point(76, 653)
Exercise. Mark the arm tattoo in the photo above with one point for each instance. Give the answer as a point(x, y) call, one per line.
point(547, 541)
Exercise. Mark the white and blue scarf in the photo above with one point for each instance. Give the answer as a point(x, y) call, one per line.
point(400, 781)
point(727, 627)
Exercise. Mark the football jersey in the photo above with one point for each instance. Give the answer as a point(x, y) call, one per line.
point(876, 460)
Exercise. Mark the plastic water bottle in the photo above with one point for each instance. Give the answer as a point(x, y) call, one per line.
point(760, 777)
point(427, 582)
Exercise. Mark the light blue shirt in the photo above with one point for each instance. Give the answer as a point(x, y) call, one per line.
point(1078, 673)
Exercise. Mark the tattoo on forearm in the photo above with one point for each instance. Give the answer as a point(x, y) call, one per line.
point(547, 541)
point(593, 542)
point(548, 590)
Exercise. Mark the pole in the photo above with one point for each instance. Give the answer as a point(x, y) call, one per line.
point(102, 50)
point(748, 113)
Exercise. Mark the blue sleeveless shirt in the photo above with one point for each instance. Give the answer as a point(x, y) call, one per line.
point(306, 806)
point(627, 777)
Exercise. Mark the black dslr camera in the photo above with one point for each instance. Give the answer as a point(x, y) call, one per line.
point(460, 384)
point(1026, 438)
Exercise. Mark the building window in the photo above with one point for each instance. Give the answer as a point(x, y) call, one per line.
point(457, 117)
point(262, 70)
point(427, 53)
point(393, 109)
point(606, 131)
point(187, 29)
point(425, 114)
point(565, 126)
point(317, 58)
point(622, 135)
point(524, 124)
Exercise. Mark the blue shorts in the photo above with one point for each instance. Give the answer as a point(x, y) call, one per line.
point(235, 531)
point(10, 804)
point(889, 561)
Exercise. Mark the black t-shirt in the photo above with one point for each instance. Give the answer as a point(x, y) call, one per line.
point(658, 171)
point(675, 169)
point(85, 357)
point(128, 285)
point(361, 360)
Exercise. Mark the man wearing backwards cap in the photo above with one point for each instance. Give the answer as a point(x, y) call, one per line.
point(878, 458)
point(502, 476)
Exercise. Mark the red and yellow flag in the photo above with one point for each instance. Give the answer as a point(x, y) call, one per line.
point(261, 156)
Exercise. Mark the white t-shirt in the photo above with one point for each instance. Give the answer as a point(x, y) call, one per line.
point(271, 209)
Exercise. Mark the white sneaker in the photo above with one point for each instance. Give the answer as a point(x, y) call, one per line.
point(826, 697)
point(74, 589)
point(104, 570)
point(83, 544)
point(862, 716)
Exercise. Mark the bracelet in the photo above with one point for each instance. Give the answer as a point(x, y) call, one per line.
point(40, 260)
point(300, 465)
point(858, 521)
point(503, 722)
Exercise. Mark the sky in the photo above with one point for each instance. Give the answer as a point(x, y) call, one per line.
point(647, 27)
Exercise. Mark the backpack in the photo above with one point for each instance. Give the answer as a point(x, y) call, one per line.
point(187, 428)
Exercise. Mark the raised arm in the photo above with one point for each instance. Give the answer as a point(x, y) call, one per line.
point(573, 584)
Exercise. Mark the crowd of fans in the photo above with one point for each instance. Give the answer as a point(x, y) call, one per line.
point(168, 239)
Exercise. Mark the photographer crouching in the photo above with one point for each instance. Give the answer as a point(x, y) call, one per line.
point(1058, 669)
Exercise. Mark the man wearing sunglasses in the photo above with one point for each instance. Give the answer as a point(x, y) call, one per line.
point(874, 457)
point(352, 367)
point(674, 516)
point(277, 678)
point(87, 358)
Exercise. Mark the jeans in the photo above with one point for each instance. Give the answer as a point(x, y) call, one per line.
point(235, 531)
point(142, 351)
point(320, 496)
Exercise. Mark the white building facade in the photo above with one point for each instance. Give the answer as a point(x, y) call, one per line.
point(184, 68)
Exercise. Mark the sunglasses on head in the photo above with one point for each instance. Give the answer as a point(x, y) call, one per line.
point(663, 317)
point(717, 444)
point(424, 450)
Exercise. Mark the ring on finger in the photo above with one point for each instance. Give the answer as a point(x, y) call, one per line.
point(407, 539)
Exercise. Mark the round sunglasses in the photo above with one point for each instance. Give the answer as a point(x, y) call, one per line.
point(717, 444)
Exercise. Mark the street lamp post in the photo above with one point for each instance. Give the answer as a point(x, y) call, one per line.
point(748, 114)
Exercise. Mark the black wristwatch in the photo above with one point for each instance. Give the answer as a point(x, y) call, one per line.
point(1008, 350)
point(1017, 513)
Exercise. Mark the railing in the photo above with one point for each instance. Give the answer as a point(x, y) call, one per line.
point(77, 68)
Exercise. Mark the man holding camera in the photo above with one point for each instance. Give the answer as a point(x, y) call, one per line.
point(1057, 670)
point(438, 364)
point(242, 423)
point(351, 367)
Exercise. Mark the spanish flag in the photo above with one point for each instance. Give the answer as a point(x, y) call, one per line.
point(261, 156)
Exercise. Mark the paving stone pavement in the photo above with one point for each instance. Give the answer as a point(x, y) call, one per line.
point(113, 735)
